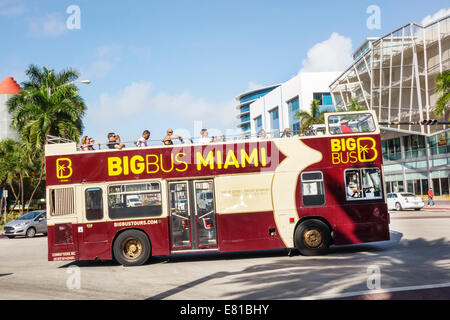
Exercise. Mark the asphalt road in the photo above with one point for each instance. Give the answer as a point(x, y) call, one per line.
point(414, 264)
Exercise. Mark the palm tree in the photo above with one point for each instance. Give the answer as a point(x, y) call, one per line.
point(355, 106)
point(315, 116)
point(49, 104)
point(442, 87)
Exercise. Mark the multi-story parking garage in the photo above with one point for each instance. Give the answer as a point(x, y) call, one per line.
point(396, 76)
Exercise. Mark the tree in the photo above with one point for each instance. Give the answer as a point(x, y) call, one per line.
point(49, 104)
point(442, 87)
point(15, 166)
point(355, 106)
point(315, 116)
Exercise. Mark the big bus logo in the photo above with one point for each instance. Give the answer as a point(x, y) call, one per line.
point(351, 150)
point(64, 168)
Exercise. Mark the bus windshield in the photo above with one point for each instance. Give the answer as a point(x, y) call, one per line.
point(351, 123)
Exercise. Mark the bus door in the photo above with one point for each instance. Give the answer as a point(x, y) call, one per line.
point(93, 236)
point(192, 215)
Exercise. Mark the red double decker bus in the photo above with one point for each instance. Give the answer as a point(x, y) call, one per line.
point(303, 192)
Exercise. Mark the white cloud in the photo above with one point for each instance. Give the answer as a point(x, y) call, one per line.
point(52, 25)
point(333, 54)
point(11, 8)
point(105, 59)
point(438, 15)
point(100, 69)
point(140, 99)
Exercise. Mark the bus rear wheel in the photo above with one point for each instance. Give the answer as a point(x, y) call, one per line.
point(312, 237)
point(132, 248)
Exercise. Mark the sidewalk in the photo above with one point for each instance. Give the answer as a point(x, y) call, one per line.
point(438, 205)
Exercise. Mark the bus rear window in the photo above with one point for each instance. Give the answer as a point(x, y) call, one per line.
point(351, 123)
point(134, 200)
point(62, 201)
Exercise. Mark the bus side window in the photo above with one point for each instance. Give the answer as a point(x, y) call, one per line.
point(134, 200)
point(313, 193)
point(94, 204)
point(363, 184)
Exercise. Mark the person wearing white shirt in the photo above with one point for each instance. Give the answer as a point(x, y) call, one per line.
point(204, 139)
point(142, 141)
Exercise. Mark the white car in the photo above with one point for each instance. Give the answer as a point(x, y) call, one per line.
point(134, 201)
point(402, 200)
point(205, 200)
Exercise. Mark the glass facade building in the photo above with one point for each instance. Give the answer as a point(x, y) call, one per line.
point(274, 122)
point(245, 100)
point(409, 162)
point(293, 108)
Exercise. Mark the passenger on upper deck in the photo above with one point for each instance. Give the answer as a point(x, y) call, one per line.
point(204, 137)
point(85, 143)
point(113, 143)
point(262, 134)
point(142, 141)
point(91, 143)
point(345, 128)
point(287, 133)
point(170, 136)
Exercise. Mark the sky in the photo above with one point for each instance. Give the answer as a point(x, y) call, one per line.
point(180, 64)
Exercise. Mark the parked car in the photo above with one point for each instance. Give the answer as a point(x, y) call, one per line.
point(402, 200)
point(27, 225)
point(205, 200)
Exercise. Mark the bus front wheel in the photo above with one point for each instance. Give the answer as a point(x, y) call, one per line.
point(312, 237)
point(132, 248)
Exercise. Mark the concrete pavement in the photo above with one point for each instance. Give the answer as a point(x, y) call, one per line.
point(417, 256)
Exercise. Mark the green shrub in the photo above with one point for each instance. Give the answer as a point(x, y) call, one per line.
point(9, 217)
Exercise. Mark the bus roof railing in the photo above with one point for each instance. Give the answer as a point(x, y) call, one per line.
point(274, 134)
point(54, 139)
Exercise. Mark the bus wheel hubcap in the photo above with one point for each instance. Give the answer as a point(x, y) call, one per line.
point(132, 248)
point(312, 238)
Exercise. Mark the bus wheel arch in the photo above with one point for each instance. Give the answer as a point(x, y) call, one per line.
point(131, 247)
point(313, 236)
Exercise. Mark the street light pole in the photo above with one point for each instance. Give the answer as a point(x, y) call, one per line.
point(67, 84)
point(5, 197)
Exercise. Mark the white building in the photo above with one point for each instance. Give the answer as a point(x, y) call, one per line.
point(8, 88)
point(276, 106)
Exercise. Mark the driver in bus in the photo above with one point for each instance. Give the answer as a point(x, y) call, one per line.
point(352, 190)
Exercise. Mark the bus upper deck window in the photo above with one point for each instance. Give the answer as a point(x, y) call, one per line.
point(351, 123)
point(94, 204)
point(313, 193)
point(363, 184)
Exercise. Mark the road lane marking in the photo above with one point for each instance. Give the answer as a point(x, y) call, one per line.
point(368, 292)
